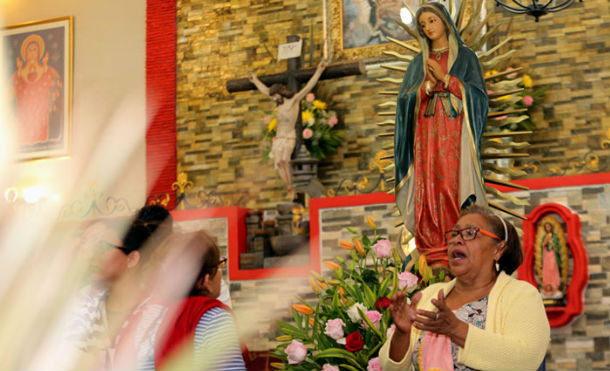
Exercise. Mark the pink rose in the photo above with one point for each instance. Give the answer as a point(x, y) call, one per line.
point(408, 280)
point(329, 367)
point(390, 330)
point(374, 365)
point(307, 133)
point(374, 317)
point(332, 121)
point(310, 97)
point(334, 328)
point(296, 352)
point(489, 92)
point(528, 100)
point(383, 249)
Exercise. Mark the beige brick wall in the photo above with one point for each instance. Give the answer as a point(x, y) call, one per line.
point(570, 52)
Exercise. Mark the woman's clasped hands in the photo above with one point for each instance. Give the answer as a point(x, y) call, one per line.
point(442, 321)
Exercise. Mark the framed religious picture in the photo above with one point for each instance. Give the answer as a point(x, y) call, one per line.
point(39, 56)
point(555, 261)
point(362, 28)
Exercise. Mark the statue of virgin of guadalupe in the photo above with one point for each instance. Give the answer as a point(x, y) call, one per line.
point(441, 111)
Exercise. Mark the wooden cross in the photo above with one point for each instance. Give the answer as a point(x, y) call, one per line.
point(294, 77)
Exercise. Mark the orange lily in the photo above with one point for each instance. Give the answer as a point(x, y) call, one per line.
point(346, 245)
point(302, 309)
point(359, 247)
point(371, 222)
point(423, 264)
point(332, 265)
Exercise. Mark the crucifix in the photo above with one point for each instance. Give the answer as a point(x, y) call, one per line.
point(289, 139)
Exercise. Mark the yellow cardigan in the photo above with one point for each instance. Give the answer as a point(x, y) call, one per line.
point(516, 334)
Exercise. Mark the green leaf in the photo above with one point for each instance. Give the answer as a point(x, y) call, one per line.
point(366, 241)
point(369, 296)
point(291, 330)
point(350, 368)
point(370, 277)
point(351, 291)
point(335, 301)
point(394, 283)
point(384, 286)
point(338, 272)
point(375, 348)
point(352, 230)
point(339, 353)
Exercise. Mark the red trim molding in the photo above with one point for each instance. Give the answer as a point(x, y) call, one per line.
point(557, 181)
point(161, 159)
point(558, 316)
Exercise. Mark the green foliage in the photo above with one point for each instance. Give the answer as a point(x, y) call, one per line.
point(354, 295)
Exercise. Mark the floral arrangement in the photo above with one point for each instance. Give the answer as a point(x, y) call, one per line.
point(529, 98)
point(320, 133)
point(350, 321)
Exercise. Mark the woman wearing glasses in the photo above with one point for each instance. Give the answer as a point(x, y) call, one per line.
point(481, 320)
point(198, 331)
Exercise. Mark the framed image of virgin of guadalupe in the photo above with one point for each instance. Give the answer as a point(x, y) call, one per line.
point(555, 261)
point(39, 61)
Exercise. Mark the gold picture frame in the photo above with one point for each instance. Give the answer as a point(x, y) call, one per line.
point(344, 48)
point(40, 63)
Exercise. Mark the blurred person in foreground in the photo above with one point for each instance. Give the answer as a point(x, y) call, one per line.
point(118, 286)
point(481, 320)
point(197, 332)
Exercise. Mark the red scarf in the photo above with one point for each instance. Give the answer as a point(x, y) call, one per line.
point(178, 325)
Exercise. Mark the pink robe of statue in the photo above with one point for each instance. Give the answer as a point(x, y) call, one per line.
point(550, 270)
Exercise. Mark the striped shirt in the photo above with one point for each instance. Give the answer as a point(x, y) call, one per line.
point(216, 344)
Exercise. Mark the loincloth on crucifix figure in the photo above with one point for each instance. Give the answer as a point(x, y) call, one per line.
point(288, 109)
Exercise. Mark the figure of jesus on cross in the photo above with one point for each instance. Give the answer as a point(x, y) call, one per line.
point(288, 108)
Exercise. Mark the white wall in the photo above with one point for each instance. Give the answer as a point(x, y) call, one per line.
point(108, 123)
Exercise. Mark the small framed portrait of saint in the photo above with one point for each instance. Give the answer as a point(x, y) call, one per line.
point(39, 75)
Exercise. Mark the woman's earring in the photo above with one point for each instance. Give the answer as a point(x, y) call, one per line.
point(497, 266)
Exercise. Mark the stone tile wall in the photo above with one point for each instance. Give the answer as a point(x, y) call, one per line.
point(583, 344)
point(568, 51)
